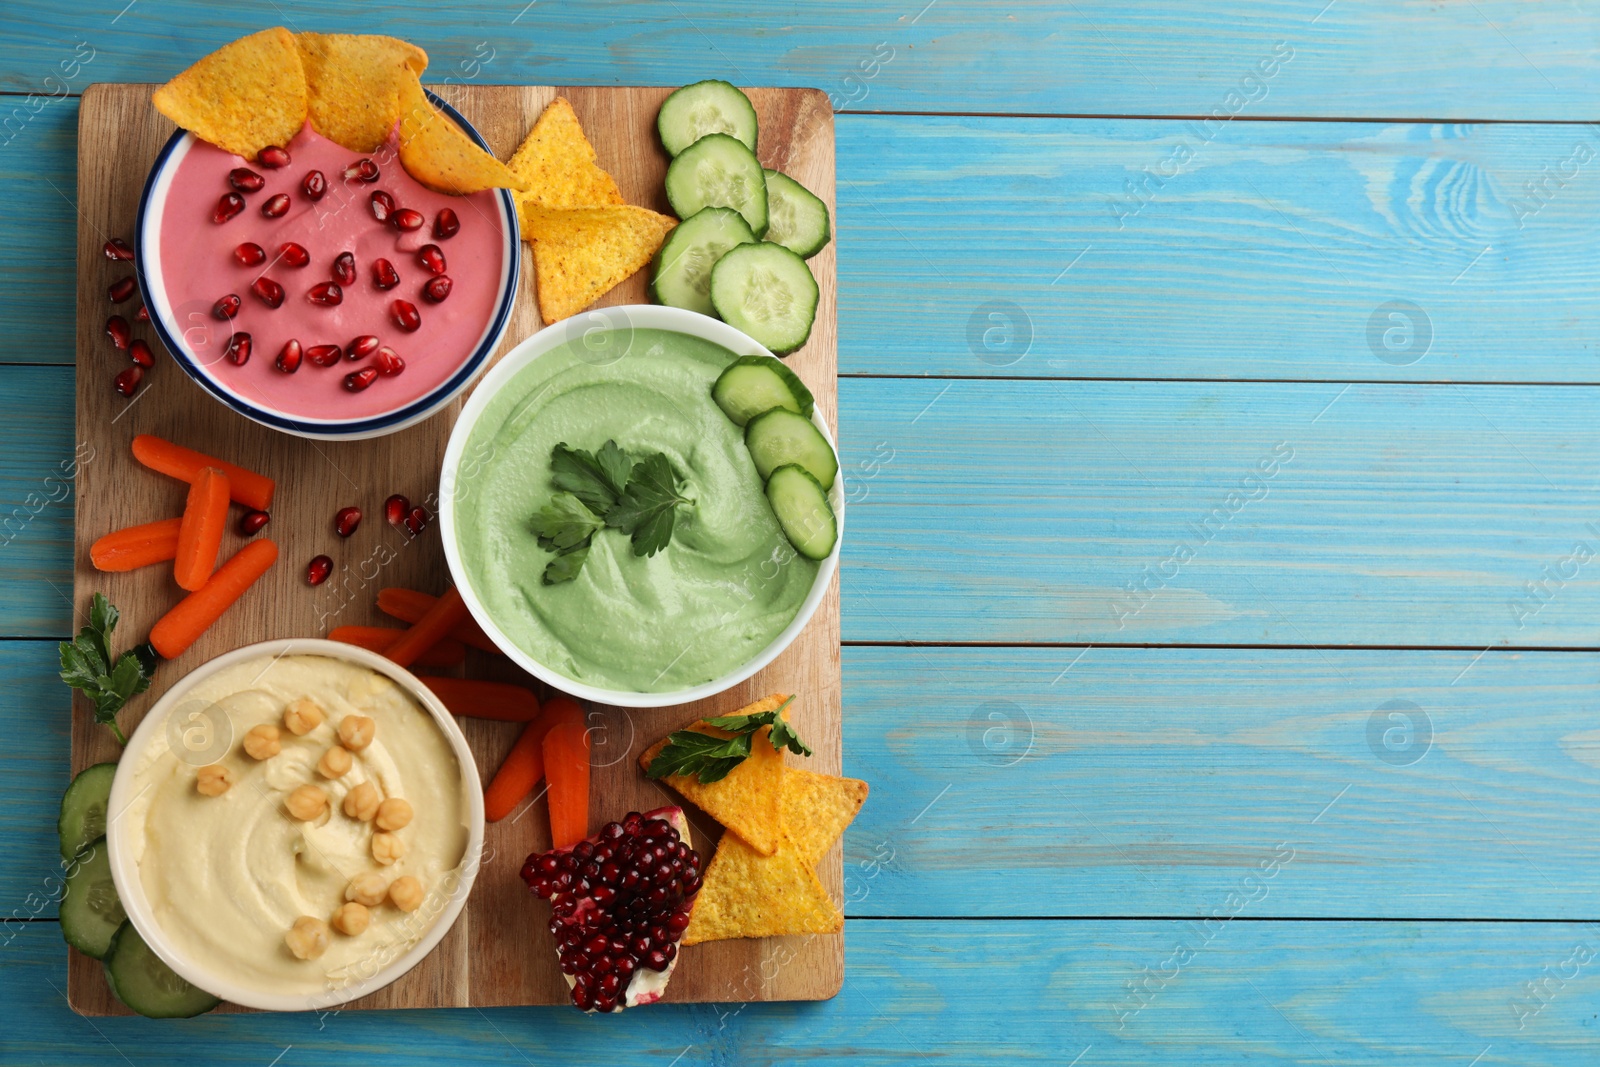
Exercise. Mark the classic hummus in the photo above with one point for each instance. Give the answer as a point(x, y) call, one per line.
point(726, 585)
point(228, 875)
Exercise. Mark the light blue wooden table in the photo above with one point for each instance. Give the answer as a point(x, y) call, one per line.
point(1222, 594)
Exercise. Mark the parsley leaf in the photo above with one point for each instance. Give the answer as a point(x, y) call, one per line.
point(648, 506)
point(689, 752)
point(566, 566)
point(597, 480)
point(87, 664)
point(565, 523)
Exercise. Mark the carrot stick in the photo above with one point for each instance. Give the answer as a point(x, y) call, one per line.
point(447, 653)
point(484, 700)
point(409, 605)
point(204, 517)
point(248, 488)
point(194, 614)
point(435, 624)
point(133, 547)
point(566, 768)
point(519, 772)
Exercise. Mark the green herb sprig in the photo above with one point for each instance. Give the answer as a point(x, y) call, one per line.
point(710, 758)
point(600, 489)
point(87, 664)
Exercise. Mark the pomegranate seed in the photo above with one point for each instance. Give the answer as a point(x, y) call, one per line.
point(445, 224)
point(139, 352)
point(269, 291)
point(142, 315)
point(121, 290)
point(289, 356)
point(408, 219)
point(388, 363)
point(120, 332)
point(417, 518)
point(328, 294)
point(276, 206)
point(127, 382)
point(364, 169)
point(227, 307)
point(324, 355)
point(358, 380)
point(361, 347)
point(431, 258)
point(229, 206)
point(252, 522)
point(437, 289)
point(272, 157)
point(238, 350)
point(346, 521)
point(246, 180)
point(405, 315)
point(384, 276)
point(294, 255)
point(117, 249)
point(250, 254)
point(344, 268)
point(314, 185)
point(382, 205)
point(395, 509)
point(318, 570)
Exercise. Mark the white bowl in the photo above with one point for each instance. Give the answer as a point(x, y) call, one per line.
point(125, 867)
point(635, 316)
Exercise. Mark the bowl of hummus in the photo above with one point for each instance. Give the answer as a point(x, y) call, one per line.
point(724, 597)
point(298, 823)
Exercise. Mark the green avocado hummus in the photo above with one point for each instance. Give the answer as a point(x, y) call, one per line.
point(724, 587)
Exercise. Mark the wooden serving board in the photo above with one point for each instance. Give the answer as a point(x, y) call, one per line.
point(499, 952)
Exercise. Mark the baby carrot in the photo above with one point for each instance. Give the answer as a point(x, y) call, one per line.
point(204, 518)
point(519, 772)
point(427, 631)
point(133, 547)
point(447, 653)
point(248, 488)
point(409, 605)
point(194, 614)
point(485, 700)
point(566, 768)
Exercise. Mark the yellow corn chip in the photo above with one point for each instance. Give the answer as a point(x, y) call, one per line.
point(817, 808)
point(242, 97)
point(580, 254)
point(558, 162)
point(439, 154)
point(353, 82)
point(746, 894)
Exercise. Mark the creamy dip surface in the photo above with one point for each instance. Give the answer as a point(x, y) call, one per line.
point(722, 590)
point(227, 876)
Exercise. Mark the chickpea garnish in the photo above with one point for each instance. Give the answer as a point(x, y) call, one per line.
point(406, 892)
point(368, 888)
point(363, 802)
point(386, 848)
point(394, 813)
point(356, 731)
point(302, 716)
point(334, 762)
point(351, 918)
point(307, 938)
point(213, 781)
point(262, 741)
point(306, 803)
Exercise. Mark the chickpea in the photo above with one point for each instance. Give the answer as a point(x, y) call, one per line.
point(406, 892)
point(363, 802)
point(351, 918)
point(306, 803)
point(387, 848)
point(356, 732)
point(367, 888)
point(213, 781)
point(307, 938)
point(334, 762)
point(262, 741)
point(303, 716)
point(394, 813)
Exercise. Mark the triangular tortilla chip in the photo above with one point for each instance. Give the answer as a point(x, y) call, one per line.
point(439, 154)
point(353, 82)
point(559, 164)
point(817, 808)
point(580, 254)
point(746, 894)
point(242, 97)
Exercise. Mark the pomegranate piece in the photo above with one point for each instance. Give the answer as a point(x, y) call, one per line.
point(238, 350)
point(437, 289)
point(120, 332)
point(346, 521)
point(382, 205)
point(384, 276)
point(139, 351)
point(272, 157)
point(246, 180)
point(363, 169)
point(293, 255)
point(445, 224)
point(121, 290)
point(388, 362)
point(314, 185)
point(408, 219)
point(619, 903)
point(249, 254)
point(227, 207)
point(288, 360)
point(431, 258)
point(318, 569)
point(117, 250)
point(227, 307)
point(344, 268)
point(328, 294)
point(358, 380)
point(276, 206)
point(417, 520)
point(252, 522)
point(269, 291)
point(127, 381)
point(361, 347)
point(395, 509)
point(142, 315)
point(324, 355)
point(405, 315)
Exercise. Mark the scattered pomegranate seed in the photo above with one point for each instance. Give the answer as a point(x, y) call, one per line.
point(250, 254)
point(117, 249)
point(407, 219)
point(431, 258)
point(361, 347)
point(294, 255)
point(445, 224)
point(346, 521)
point(227, 307)
point(328, 294)
point(358, 380)
point(121, 290)
point(276, 206)
point(396, 508)
point(289, 356)
point(388, 362)
point(344, 268)
point(121, 333)
point(382, 205)
point(437, 289)
point(139, 351)
point(272, 157)
point(314, 185)
point(364, 169)
point(324, 355)
point(251, 523)
point(270, 292)
point(227, 207)
point(246, 180)
point(238, 350)
point(405, 315)
point(417, 519)
point(318, 570)
point(127, 381)
point(142, 315)
point(384, 276)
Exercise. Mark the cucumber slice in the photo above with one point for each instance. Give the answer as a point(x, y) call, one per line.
point(753, 385)
point(803, 511)
point(796, 218)
point(705, 107)
point(768, 292)
point(780, 437)
point(90, 910)
point(83, 808)
point(719, 171)
point(682, 273)
point(144, 983)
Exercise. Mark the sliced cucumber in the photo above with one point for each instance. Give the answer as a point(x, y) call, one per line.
point(803, 511)
point(753, 385)
point(682, 275)
point(83, 808)
point(796, 218)
point(142, 981)
point(719, 171)
point(705, 107)
point(768, 292)
point(778, 438)
point(90, 909)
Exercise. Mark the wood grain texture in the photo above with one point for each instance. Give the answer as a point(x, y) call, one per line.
point(499, 952)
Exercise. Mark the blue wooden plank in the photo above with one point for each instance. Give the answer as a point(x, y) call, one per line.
point(36, 472)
